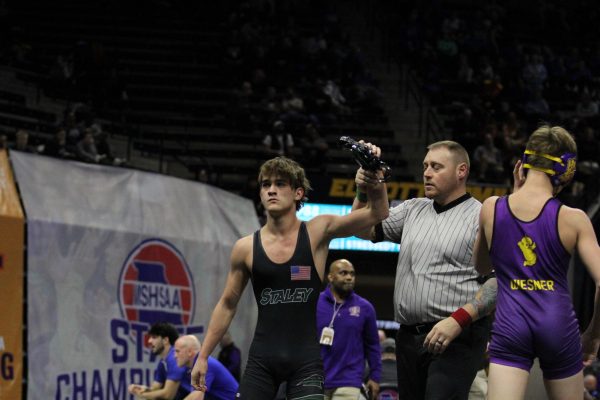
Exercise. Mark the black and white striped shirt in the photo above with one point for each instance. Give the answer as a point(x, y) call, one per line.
point(435, 273)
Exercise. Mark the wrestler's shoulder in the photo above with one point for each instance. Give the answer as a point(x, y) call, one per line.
point(243, 244)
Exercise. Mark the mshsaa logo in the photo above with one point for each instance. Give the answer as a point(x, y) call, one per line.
point(156, 285)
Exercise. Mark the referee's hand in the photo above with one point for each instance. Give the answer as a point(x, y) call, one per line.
point(440, 336)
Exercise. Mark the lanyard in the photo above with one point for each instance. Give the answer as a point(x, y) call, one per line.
point(335, 311)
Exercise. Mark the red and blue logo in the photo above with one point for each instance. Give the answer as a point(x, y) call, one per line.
point(156, 285)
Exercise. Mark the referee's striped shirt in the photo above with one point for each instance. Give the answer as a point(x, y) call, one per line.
point(435, 273)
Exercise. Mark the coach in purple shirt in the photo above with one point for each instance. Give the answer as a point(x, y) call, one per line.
point(347, 328)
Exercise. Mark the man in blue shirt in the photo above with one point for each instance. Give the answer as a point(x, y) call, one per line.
point(230, 356)
point(348, 333)
point(220, 384)
point(168, 377)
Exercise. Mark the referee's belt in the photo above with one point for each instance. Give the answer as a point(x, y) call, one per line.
point(418, 329)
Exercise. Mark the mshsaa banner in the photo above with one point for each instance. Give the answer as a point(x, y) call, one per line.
point(110, 251)
point(11, 284)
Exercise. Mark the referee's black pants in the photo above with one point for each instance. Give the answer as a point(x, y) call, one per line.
point(446, 376)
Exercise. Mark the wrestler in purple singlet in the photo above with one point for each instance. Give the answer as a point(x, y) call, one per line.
point(534, 311)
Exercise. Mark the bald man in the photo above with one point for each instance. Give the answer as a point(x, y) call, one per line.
point(220, 384)
point(590, 383)
point(348, 333)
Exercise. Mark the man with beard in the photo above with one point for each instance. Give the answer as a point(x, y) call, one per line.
point(167, 376)
point(348, 333)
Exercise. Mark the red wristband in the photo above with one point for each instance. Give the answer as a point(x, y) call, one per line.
point(462, 317)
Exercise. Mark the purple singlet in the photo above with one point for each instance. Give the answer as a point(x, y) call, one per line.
point(534, 311)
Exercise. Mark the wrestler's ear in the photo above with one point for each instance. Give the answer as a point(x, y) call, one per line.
point(299, 194)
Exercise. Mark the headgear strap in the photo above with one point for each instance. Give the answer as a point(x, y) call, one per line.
point(562, 171)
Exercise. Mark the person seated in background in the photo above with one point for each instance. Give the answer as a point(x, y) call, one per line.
point(86, 148)
point(58, 146)
point(230, 356)
point(487, 160)
point(586, 107)
point(105, 150)
point(279, 142)
point(220, 384)
point(388, 362)
point(314, 147)
point(169, 378)
point(590, 383)
point(22, 142)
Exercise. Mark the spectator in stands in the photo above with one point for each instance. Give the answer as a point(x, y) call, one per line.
point(293, 108)
point(58, 146)
point(586, 107)
point(555, 65)
point(279, 142)
point(73, 131)
point(202, 176)
point(465, 71)
point(580, 75)
point(492, 88)
point(537, 106)
point(104, 148)
point(292, 102)
point(243, 101)
point(3, 142)
point(452, 24)
point(513, 139)
point(534, 73)
point(86, 148)
point(337, 99)
point(314, 147)
point(63, 68)
point(259, 81)
point(22, 142)
point(588, 154)
point(485, 71)
point(448, 50)
point(487, 161)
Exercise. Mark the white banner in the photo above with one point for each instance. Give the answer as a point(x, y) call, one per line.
point(110, 251)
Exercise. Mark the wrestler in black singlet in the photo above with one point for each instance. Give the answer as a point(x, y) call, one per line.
point(285, 345)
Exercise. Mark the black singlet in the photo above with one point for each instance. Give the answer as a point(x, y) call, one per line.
point(285, 347)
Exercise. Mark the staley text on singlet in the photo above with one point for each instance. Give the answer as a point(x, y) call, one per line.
point(281, 296)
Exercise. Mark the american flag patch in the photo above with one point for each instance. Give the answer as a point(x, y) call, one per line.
point(300, 272)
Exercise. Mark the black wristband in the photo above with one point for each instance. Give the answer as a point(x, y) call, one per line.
point(360, 196)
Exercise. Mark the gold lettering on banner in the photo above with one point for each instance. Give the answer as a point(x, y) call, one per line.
point(344, 188)
point(338, 187)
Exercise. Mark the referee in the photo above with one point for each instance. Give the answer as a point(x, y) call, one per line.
point(438, 293)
